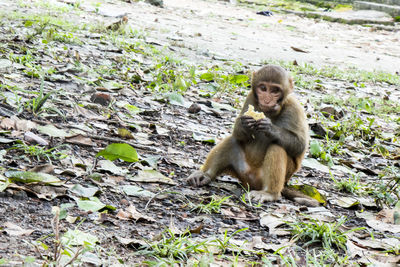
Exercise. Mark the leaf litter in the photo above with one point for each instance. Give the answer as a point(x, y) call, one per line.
point(73, 94)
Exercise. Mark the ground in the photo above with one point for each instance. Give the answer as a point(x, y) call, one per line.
point(79, 76)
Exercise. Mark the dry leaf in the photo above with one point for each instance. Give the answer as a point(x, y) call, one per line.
point(35, 139)
point(45, 168)
point(7, 124)
point(299, 50)
point(80, 139)
point(14, 230)
point(132, 214)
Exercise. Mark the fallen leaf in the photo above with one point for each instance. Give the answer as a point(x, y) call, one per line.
point(315, 164)
point(203, 137)
point(45, 168)
point(33, 177)
point(344, 202)
point(137, 243)
point(78, 110)
point(299, 50)
point(6, 140)
point(310, 191)
point(82, 191)
point(107, 165)
point(78, 238)
point(132, 213)
point(80, 139)
point(383, 227)
point(92, 204)
point(152, 176)
point(136, 191)
point(15, 230)
point(35, 139)
point(119, 151)
point(7, 124)
point(272, 222)
point(52, 131)
point(25, 125)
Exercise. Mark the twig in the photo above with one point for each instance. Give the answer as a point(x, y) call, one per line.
point(56, 229)
point(168, 191)
point(74, 257)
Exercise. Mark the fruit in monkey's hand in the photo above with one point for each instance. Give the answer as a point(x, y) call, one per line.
point(254, 114)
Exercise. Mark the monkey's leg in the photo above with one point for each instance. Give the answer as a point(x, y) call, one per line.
point(277, 167)
point(221, 159)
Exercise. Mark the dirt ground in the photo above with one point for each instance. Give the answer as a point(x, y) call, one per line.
point(221, 29)
point(203, 33)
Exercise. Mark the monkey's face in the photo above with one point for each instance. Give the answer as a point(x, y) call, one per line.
point(269, 96)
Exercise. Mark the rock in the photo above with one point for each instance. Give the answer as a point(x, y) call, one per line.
point(159, 3)
point(194, 108)
point(101, 98)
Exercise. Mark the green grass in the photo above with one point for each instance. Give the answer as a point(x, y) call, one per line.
point(171, 248)
point(174, 247)
point(313, 231)
point(40, 152)
point(212, 206)
point(350, 185)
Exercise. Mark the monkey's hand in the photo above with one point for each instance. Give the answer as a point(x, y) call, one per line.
point(248, 122)
point(265, 125)
point(198, 178)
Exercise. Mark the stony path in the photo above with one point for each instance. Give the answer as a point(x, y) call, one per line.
point(207, 28)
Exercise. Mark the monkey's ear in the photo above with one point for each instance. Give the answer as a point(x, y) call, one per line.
point(291, 85)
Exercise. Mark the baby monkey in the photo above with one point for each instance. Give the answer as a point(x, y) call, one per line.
point(265, 152)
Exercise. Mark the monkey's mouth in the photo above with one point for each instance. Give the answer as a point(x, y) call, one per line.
point(269, 108)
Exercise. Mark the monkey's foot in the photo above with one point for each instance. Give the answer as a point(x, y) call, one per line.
point(198, 178)
point(262, 196)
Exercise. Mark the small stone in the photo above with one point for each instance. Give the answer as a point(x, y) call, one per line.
point(159, 3)
point(103, 99)
point(124, 202)
point(194, 108)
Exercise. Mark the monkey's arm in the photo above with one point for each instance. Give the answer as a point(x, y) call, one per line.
point(245, 127)
point(289, 129)
point(290, 141)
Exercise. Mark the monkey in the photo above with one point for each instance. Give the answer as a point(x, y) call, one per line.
point(263, 154)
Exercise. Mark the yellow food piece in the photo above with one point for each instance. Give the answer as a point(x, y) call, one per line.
point(256, 115)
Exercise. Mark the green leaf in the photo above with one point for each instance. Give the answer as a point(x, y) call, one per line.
point(81, 191)
point(64, 210)
point(315, 148)
point(175, 98)
point(132, 109)
point(119, 151)
point(28, 23)
point(4, 184)
point(78, 238)
point(92, 204)
point(207, 76)
point(33, 177)
point(310, 191)
point(239, 79)
point(52, 131)
point(315, 164)
point(136, 191)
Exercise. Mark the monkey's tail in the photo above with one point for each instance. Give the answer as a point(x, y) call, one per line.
point(299, 197)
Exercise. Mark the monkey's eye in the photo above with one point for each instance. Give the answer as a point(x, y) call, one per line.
point(275, 90)
point(262, 87)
